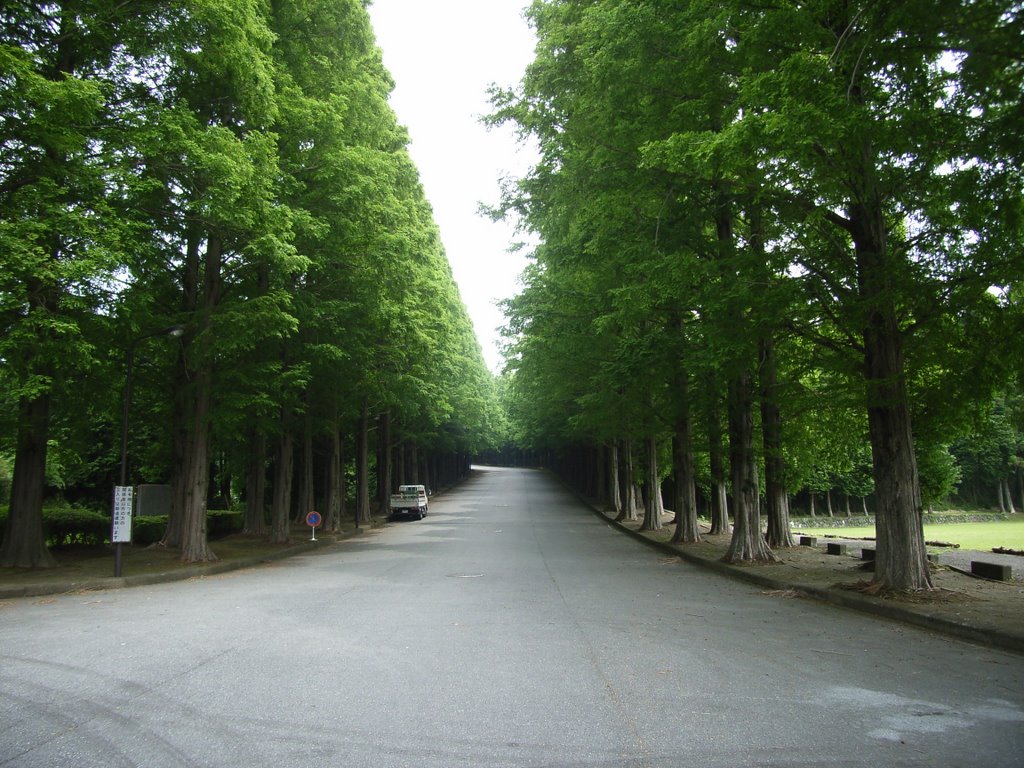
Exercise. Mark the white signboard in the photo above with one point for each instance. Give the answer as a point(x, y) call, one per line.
point(121, 531)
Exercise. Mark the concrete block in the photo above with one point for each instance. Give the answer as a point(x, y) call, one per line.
point(867, 553)
point(837, 549)
point(808, 541)
point(993, 571)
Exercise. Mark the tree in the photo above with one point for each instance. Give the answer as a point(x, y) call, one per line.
point(861, 165)
point(60, 247)
point(820, 161)
point(232, 168)
point(222, 229)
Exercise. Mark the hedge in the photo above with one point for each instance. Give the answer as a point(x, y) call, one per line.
point(66, 524)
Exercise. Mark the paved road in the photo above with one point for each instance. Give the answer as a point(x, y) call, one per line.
point(509, 628)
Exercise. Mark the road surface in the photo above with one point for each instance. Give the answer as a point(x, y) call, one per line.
point(511, 627)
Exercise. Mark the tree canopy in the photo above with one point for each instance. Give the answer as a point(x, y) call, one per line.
point(799, 223)
point(230, 171)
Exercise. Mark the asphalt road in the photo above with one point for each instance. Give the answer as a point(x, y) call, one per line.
point(511, 627)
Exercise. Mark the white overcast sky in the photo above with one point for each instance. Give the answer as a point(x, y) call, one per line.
point(443, 55)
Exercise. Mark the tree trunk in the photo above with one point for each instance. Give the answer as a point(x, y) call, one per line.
point(400, 464)
point(614, 492)
point(306, 490)
point(385, 468)
point(183, 397)
point(828, 503)
point(224, 482)
point(687, 530)
point(652, 507)
point(24, 544)
point(190, 476)
point(363, 465)
point(776, 498)
point(812, 494)
point(1020, 485)
point(748, 543)
point(194, 545)
point(284, 467)
point(24, 540)
point(900, 555)
point(424, 469)
point(719, 497)
point(413, 456)
point(256, 485)
point(629, 502)
point(901, 558)
point(600, 462)
point(179, 462)
point(335, 483)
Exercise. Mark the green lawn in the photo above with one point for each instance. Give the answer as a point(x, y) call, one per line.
point(983, 536)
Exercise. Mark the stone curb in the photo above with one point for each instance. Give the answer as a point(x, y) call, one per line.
point(180, 574)
point(988, 636)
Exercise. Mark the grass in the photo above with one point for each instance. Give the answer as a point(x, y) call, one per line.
point(981, 536)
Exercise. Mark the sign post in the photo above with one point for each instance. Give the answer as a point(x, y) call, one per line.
point(121, 523)
point(313, 519)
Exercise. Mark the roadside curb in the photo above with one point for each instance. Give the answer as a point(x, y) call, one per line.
point(217, 568)
point(987, 636)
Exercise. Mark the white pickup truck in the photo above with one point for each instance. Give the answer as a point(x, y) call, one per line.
point(410, 500)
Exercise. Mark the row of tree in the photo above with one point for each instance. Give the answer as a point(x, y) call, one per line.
point(217, 195)
point(784, 237)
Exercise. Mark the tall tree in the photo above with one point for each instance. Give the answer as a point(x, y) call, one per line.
point(60, 243)
point(877, 139)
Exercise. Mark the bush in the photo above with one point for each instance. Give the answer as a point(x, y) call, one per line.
point(148, 530)
point(65, 524)
point(73, 525)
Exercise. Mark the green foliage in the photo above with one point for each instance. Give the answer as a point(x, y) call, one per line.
point(230, 168)
point(939, 473)
point(712, 174)
point(66, 524)
point(5, 480)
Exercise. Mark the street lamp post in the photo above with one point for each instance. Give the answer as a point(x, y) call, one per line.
point(173, 331)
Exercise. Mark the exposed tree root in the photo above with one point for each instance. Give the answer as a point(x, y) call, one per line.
point(877, 589)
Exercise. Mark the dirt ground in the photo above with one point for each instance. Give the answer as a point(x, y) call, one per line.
point(991, 608)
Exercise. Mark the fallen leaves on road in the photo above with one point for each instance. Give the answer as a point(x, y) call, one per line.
point(783, 593)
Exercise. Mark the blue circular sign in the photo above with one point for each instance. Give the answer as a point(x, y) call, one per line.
point(313, 519)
